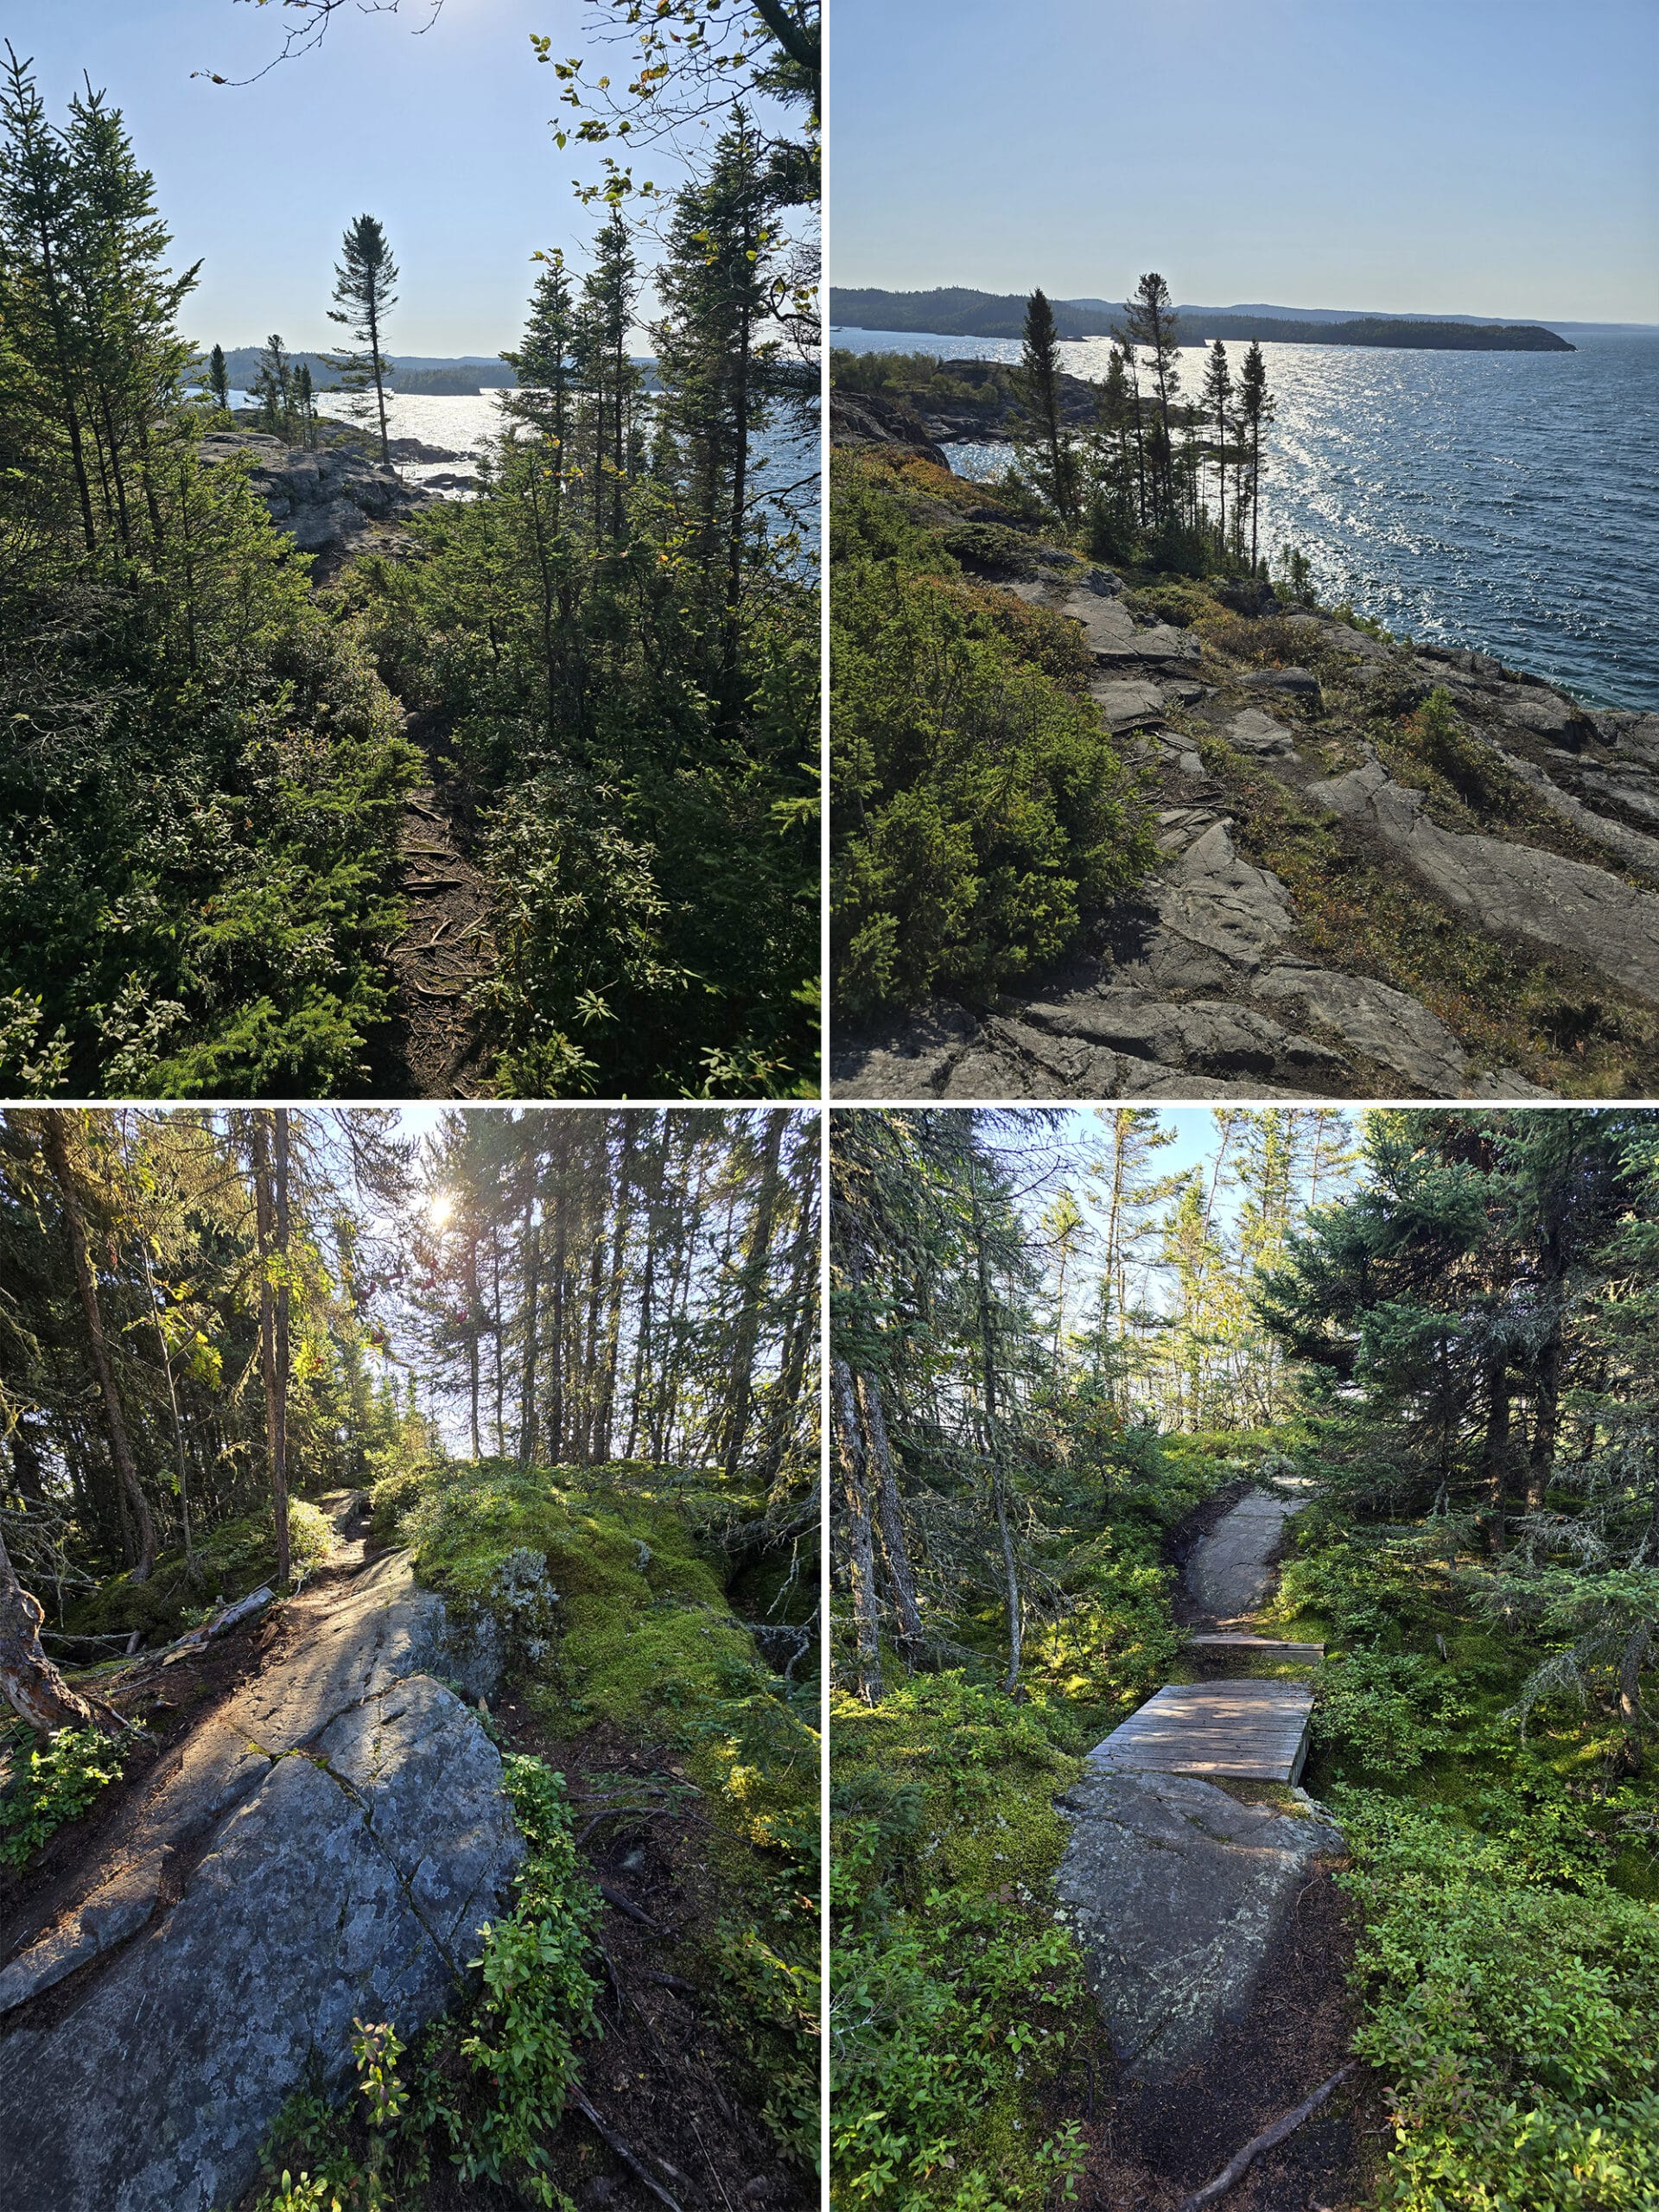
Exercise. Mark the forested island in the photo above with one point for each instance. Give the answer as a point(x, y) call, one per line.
point(409, 1651)
point(1134, 1418)
point(955, 312)
point(520, 798)
point(1122, 810)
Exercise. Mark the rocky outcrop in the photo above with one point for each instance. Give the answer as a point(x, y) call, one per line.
point(867, 419)
point(324, 1848)
point(1560, 905)
point(1150, 1025)
point(1117, 641)
point(333, 502)
point(1174, 1890)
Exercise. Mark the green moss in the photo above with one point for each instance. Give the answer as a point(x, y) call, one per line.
point(238, 1557)
point(633, 1630)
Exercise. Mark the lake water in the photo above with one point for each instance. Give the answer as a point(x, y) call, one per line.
point(1506, 501)
point(462, 423)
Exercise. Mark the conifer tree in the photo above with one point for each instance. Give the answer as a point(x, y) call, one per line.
point(1149, 326)
point(1218, 395)
point(273, 388)
point(1037, 386)
point(219, 380)
point(305, 401)
point(1257, 408)
point(364, 278)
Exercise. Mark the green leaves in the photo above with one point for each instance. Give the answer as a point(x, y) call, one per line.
point(56, 1782)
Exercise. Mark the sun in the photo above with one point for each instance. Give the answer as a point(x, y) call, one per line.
point(442, 1209)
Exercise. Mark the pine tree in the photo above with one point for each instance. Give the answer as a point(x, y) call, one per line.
point(364, 280)
point(219, 380)
point(1037, 386)
point(1149, 326)
point(1217, 395)
point(273, 389)
point(306, 402)
point(1256, 410)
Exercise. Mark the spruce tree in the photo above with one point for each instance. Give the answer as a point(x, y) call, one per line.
point(306, 401)
point(364, 280)
point(1149, 325)
point(1037, 386)
point(219, 380)
point(1217, 395)
point(1256, 410)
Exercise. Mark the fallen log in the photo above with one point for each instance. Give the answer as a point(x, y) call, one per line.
point(1240, 2164)
point(226, 1618)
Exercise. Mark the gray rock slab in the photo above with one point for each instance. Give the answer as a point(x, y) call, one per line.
point(1174, 1891)
point(350, 1884)
point(1387, 1025)
point(1209, 1037)
point(386, 1630)
point(1129, 703)
point(1299, 683)
point(1560, 905)
point(1635, 848)
point(1231, 1569)
point(910, 1057)
point(1217, 915)
point(1258, 733)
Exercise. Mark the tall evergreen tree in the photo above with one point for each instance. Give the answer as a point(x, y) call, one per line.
point(219, 380)
point(364, 280)
point(1037, 384)
point(1149, 326)
point(1256, 410)
point(1217, 398)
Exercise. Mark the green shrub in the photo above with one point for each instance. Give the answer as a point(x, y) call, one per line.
point(1516, 2024)
point(53, 1783)
point(982, 809)
point(1393, 1711)
point(957, 1994)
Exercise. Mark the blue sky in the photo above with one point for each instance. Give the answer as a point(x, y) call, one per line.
point(444, 136)
point(1494, 157)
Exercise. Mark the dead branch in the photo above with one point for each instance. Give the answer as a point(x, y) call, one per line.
point(1240, 2164)
point(619, 2149)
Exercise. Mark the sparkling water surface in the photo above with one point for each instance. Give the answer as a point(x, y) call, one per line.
point(1506, 501)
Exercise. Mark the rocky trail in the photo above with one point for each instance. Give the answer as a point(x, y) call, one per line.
point(1519, 865)
point(442, 952)
point(1196, 1880)
point(321, 1843)
point(311, 1831)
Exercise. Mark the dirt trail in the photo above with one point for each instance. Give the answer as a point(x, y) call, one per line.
point(443, 951)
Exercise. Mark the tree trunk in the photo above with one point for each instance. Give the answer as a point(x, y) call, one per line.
point(911, 1635)
point(754, 1295)
point(131, 1491)
point(994, 1442)
point(532, 1288)
point(1498, 1450)
point(1546, 1409)
point(33, 1687)
point(860, 1549)
point(605, 1421)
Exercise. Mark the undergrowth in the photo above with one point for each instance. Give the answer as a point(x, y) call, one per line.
point(487, 2090)
point(53, 1783)
point(609, 1587)
point(236, 1557)
point(1508, 1966)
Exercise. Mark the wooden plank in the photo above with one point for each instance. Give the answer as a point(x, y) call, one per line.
point(1255, 1731)
point(1275, 1646)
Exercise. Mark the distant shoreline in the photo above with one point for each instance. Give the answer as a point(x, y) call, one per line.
point(954, 313)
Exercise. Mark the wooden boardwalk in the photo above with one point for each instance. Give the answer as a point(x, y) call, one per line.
point(1255, 1731)
point(1264, 1647)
